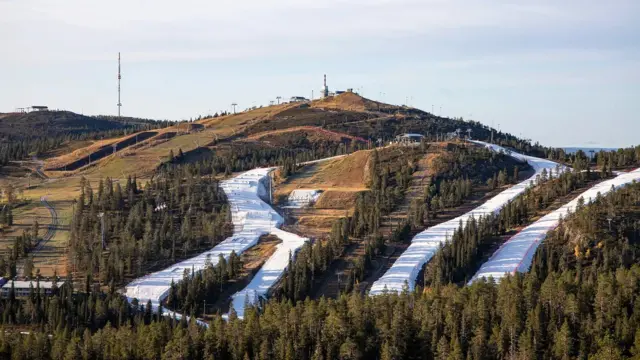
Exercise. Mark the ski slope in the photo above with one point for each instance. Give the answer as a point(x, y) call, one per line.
point(269, 273)
point(517, 253)
point(251, 218)
point(424, 245)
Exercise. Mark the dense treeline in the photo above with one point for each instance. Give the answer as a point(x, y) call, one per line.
point(456, 175)
point(388, 181)
point(233, 157)
point(604, 159)
point(204, 287)
point(312, 260)
point(173, 217)
point(20, 148)
point(460, 257)
point(579, 301)
point(621, 158)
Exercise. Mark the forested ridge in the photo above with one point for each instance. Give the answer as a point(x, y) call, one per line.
point(194, 291)
point(459, 258)
point(36, 143)
point(175, 216)
point(388, 183)
point(579, 301)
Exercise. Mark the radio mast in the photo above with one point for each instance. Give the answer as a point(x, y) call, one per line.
point(119, 77)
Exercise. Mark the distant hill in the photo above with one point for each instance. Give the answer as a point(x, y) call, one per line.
point(53, 123)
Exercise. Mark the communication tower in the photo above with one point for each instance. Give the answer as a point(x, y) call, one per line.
point(119, 77)
point(325, 88)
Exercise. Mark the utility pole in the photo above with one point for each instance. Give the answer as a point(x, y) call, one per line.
point(234, 107)
point(278, 97)
point(101, 216)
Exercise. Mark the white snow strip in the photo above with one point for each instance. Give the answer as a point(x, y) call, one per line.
point(300, 198)
point(424, 245)
point(270, 273)
point(251, 218)
point(517, 253)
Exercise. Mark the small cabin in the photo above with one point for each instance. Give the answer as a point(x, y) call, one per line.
point(409, 138)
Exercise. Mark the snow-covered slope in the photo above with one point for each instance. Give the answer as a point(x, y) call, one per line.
point(251, 218)
point(517, 253)
point(270, 273)
point(424, 245)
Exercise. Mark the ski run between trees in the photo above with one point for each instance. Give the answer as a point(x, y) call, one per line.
point(404, 272)
point(517, 253)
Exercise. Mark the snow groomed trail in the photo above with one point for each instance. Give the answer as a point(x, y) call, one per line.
point(517, 253)
point(251, 217)
point(404, 271)
point(269, 273)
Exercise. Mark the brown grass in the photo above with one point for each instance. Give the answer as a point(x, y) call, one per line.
point(312, 132)
point(337, 199)
point(347, 101)
point(246, 118)
point(343, 174)
point(318, 222)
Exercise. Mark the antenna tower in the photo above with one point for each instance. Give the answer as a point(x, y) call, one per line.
point(119, 77)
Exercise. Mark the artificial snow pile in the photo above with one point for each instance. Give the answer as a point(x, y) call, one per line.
point(424, 245)
point(517, 253)
point(300, 198)
point(251, 218)
point(269, 273)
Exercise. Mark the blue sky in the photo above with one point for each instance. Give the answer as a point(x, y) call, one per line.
point(564, 73)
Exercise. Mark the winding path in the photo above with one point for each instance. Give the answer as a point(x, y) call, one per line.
point(51, 229)
point(51, 232)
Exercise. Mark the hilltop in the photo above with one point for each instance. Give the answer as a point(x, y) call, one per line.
point(53, 123)
point(336, 123)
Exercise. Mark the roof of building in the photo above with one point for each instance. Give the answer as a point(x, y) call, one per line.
point(412, 135)
point(18, 284)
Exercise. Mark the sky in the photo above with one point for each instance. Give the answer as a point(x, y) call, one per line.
point(562, 73)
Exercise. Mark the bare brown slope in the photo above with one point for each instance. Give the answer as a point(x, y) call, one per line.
point(351, 102)
point(312, 133)
point(346, 174)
